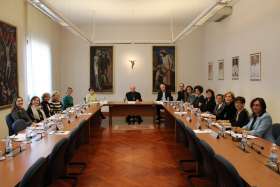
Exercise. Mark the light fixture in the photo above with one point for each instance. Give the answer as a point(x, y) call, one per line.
point(46, 9)
point(203, 17)
point(210, 14)
point(132, 62)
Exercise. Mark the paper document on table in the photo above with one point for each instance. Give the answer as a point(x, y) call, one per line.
point(220, 126)
point(131, 102)
point(19, 137)
point(85, 114)
point(237, 135)
point(103, 103)
point(180, 113)
point(202, 131)
point(207, 115)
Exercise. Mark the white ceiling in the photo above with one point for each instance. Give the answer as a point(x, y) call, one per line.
point(180, 12)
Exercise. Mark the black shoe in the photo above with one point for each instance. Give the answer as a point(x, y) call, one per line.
point(140, 121)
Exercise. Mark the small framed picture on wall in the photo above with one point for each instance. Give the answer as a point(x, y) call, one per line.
point(221, 72)
point(210, 71)
point(235, 68)
point(255, 66)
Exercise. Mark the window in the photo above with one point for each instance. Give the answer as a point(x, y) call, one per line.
point(39, 72)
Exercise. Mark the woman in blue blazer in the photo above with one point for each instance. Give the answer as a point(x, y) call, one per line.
point(260, 123)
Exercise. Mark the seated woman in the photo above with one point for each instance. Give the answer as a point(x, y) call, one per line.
point(210, 102)
point(46, 105)
point(18, 111)
point(229, 110)
point(91, 96)
point(242, 116)
point(260, 123)
point(67, 100)
point(190, 97)
point(199, 98)
point(56, 104)
point(35, 111)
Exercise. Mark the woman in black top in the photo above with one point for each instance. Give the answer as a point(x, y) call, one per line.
point(199, 98)
point(35, 111)
point(210, 102)
point(18, 111)
point(229, 110)
point(46, 105)
point(242, 116)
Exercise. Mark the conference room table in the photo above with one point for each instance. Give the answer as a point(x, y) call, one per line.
point(12, 169)
point(251, 166)
point(118, 108)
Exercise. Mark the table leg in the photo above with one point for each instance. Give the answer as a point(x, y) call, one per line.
point(110, 117)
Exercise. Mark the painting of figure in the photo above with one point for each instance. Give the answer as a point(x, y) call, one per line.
point(8, 64)
point(101, 68)
point(235, 68)
point(164, 67)
point(255, 67)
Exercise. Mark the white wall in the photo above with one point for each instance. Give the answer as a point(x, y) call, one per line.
point(190, 58)
point(75, 63)
point(15, 12)
point(253, 27)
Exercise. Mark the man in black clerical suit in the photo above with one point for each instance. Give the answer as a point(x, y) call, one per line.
point(163, 95)
point(132, 95)
point(181, 92)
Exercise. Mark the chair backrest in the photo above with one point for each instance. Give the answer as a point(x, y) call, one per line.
point(277, 141)
point(35, 175)
point(276, 131)
point(192, 142)
point(9, 122)
point(19, 125)
point(72, 144)
point(82, 133)
point(56, 161)
point(182, 133)
point(208, 156)
point(227, 176)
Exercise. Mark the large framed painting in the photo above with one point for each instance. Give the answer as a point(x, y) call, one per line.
point(221, 71)
point(8, 64)
point(164, 67)
point(235, 68)
point(101, 68)
point(255, 67)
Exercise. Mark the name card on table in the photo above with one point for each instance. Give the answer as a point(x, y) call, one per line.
point(131, 102)
point(159, 102)
point(62, 132)
point(197, 131)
